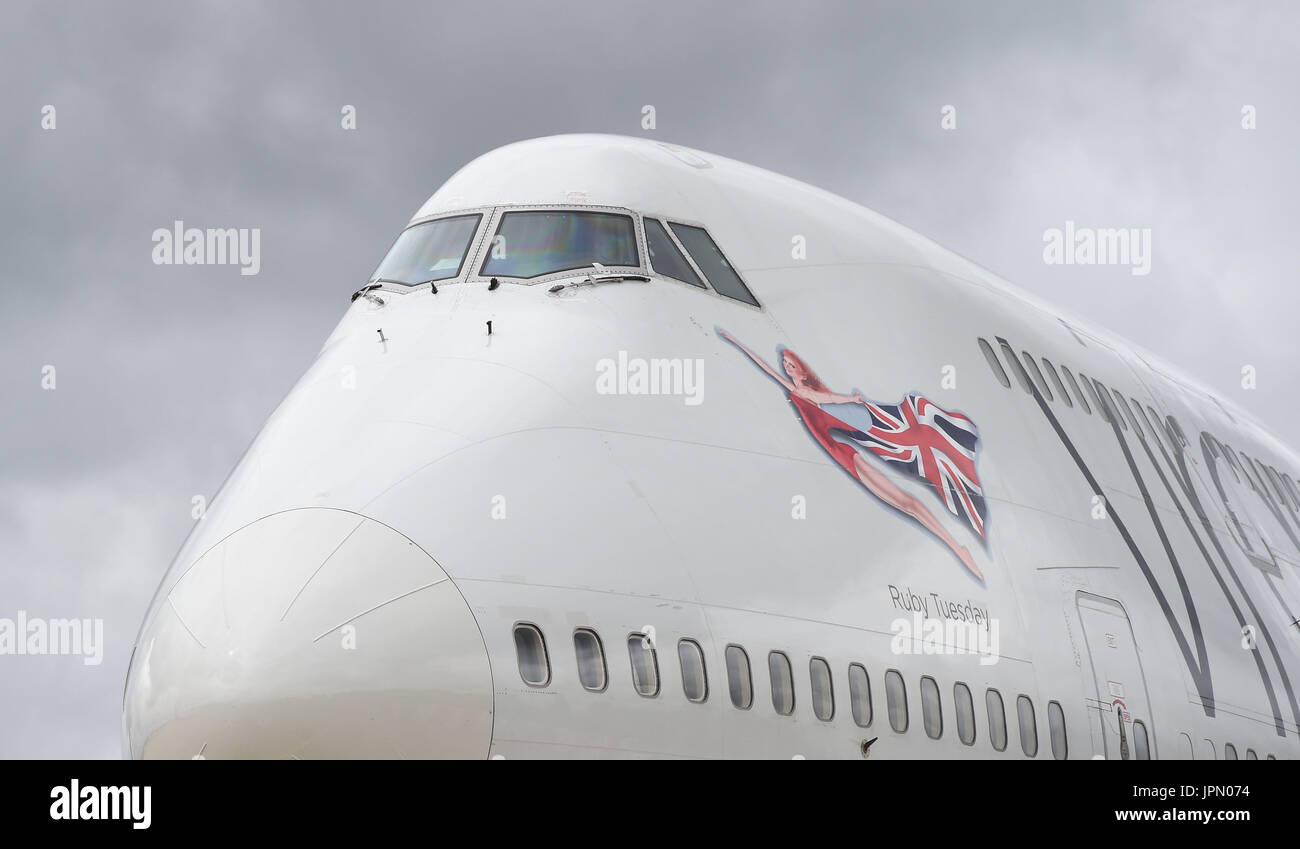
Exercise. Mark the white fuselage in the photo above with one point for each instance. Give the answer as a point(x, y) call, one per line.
point(427, 487)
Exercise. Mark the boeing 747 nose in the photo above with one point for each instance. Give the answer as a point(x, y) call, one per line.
point(312, 633)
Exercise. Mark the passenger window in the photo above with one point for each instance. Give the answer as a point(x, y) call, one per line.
point(739, 681)
point(1229, 752)
point(1092, 395)
point(992, 358)
point(1056, 381)
point(665, 259)
point(1056, 730)
point(1291, 487)
point(645, 665)
point(823, 692)
point(1265, 472)
point(1256, 469)
point(997, 719)
point(1256, 479)
point(896, 700)
point(1074, 387)
point(1261, 479)
point(530, 244)
point(1242, 469)
point(1038, 377)
point(961, 697)
point(709, 259)
point(1112, 413)
point(530, 651)
point(1276, 479)
point(1152, 422)
point(591, 659)
point(1123, 405)
point(1173, 427)
point(931, 708)
point(860, 695)
point(782, 676)
point(1238, 473)
point(694, 682)
point(1157, 424)
point(1141, 746)
point(1016, 367)
point(1251, 756)
point(1028, 726)
point(1275, 493)
point(1139, 418)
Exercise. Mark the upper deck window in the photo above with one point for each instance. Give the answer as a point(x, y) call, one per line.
point(428, 252)
point(710, 260)
point(1016, 368)
point(1069, 378)
point(998, 372)
point(665, 259)
point(1038, 377)
point(1056, 381)
point(530, 244)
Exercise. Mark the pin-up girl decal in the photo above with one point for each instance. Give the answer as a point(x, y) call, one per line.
point(915, 436)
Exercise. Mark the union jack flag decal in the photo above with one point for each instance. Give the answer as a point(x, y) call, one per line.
point(926, 441)
point(915, 436)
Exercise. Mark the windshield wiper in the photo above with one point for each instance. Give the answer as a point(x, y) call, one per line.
point(431, 281)
point(600, 275)
point(364, 292)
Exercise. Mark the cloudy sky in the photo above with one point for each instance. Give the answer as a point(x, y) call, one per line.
point(228, 115)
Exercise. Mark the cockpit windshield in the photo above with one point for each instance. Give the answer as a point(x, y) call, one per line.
point(428, 252)
point(530, 244)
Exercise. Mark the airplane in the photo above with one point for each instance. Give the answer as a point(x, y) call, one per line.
point(630, 450)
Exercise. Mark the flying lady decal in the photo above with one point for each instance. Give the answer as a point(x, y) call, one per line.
point(915, 436)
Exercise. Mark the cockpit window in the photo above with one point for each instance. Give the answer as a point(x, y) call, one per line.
point(428, 252)
point(710, 260)
point(665, 259)
point(530, 244)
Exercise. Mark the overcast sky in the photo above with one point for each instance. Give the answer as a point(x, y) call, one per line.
point(228, 115)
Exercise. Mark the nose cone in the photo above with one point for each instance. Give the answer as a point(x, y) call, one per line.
point(312, 633)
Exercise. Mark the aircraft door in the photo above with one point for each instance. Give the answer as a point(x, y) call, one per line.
point(1122, 727)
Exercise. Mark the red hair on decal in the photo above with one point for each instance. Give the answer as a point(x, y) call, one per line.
point(809, 377)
